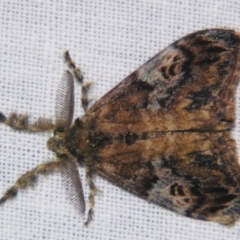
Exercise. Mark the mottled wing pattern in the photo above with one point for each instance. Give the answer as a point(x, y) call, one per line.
point(194, 174)
point(188, 86)
point(163, 133)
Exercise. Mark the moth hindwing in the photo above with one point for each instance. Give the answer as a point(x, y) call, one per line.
point(163, 133)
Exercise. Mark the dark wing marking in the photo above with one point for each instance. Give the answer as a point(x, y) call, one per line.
point(73, 184)
point(188, 86)
point(65, 101)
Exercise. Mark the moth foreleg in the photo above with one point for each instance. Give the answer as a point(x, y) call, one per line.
point(21, 122)
point(85, 100)
point(29, 179)
point(76, 72)
point(71, 64)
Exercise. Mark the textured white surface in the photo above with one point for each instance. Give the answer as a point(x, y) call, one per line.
point(108, 39)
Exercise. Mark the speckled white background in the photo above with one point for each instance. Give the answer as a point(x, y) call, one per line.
point(109, 39)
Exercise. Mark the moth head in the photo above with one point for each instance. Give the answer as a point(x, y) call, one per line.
point(57, 143)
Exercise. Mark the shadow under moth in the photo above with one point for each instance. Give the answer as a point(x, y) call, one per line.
point(163, 133)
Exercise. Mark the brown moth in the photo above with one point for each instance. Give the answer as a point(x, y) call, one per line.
point(163, 133)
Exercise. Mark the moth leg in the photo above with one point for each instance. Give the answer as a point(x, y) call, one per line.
point(71, 64)
point(21, 122)
point(85, 100)
point(78, 75)
point(92, 193)
point(29, 179)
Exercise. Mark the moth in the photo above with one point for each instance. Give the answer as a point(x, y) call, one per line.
point(163, 133)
